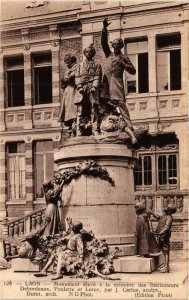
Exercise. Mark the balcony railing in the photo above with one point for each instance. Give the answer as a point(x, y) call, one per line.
point(13, 232)
point(157, 202)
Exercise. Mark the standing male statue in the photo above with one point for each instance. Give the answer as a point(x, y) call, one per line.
point(88, 78)
point(68, 109)
point(112, 83)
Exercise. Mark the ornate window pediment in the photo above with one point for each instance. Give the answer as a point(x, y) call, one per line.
point(34, 4)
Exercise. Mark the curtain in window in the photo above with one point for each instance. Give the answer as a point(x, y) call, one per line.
point(17, 177)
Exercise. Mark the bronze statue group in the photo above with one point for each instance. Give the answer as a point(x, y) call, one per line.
point(87, 88)
point(90, 91)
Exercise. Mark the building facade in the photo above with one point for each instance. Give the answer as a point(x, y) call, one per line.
point(35, 37)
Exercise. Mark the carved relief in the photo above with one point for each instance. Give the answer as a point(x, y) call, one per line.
point(38, 3)
point(55, 43)
point(161, 126)
point(28, 138)
point(47, 115)
point(142, 126)
point(56, 137)
point(131, 106)
point(37, 116)
point(179, 203)
point(143, 105)
point(175, 103)
point(163, 104)
point(168, 147)
point(20, 117)
point(10, 118)
point(26, 47)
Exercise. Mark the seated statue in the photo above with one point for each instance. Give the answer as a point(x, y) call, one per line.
point(70, 249)
point(79, 254)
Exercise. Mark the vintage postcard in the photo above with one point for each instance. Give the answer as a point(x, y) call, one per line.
point(94, 149)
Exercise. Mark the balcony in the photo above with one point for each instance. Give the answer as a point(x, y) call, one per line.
point(152, 105)
point(28, 117)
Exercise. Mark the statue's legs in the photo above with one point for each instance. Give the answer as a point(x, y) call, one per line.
point(46, 267)
point(125, 115)
point(95, 119)
point(60, 265)
point(78, 120)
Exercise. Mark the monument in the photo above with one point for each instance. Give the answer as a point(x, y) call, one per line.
point(103, 140)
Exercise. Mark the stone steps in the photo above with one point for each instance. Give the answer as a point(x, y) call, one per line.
point(137, 264)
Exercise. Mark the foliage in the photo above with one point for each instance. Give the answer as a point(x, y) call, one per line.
point(96, 255)
point(87, 167)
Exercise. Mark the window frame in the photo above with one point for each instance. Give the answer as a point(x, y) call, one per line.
point(9, 69)
point(136, 54)
point(16, 155)
point(167, 50)
point(44, 157)
point(40, 65)
point(144, 186)
point(167, 186)
point(155, 186)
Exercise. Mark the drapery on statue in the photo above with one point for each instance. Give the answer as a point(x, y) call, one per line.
point(112, 83)
point(145, 241)
point(52, 217)
point(88, 78)
point(68, 109)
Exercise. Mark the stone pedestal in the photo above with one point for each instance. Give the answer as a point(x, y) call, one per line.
point(24, 265)
point(105, 209)
point(136, 264)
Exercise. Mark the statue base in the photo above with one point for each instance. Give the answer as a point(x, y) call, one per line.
point(105, 209)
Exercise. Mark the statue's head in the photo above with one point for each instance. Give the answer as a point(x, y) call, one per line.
point(77, 226)
point(117, 44)
point(139, 208)
point(70, 60)
point(89, 52)
point(47, 185)
point(170, 209)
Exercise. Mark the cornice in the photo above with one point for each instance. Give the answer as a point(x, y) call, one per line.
point(39, 21)
point(172, 119)
point(98, 14)
point(153, 6)
point(176, 25)
point(62, 17)
point(30, 135)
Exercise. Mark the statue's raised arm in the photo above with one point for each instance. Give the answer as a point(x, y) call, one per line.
point(113, 89)
point(104, 38)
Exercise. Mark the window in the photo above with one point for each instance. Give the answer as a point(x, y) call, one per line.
point(158, 169)
point(42, 78)
point(137, 52)
point(168, 62)
point(16, 171)
point(44, 166)
point(15, 81)
point(167, 170)
point(143, 171)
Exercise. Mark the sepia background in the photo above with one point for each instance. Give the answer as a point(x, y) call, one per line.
point(35, 37)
